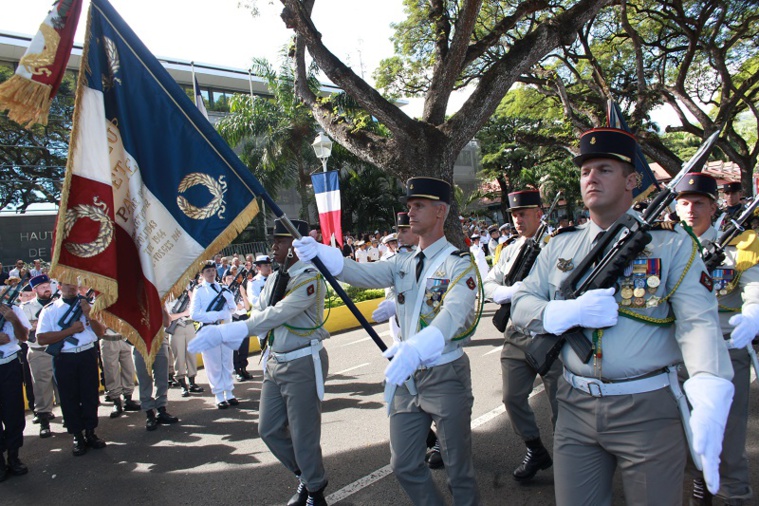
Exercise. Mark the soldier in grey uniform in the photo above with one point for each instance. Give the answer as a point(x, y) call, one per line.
point(617, 411)
point(736, 285)
point(40, 362)
point(733, 205)
point(517, 374)
point(428, 378)
point(295, 368)
point(118, 370)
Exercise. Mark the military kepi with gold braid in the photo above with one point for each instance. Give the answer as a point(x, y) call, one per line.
point(428, 188)
point(281, 231)
point(524, 200)
point(698, 182)
point(402, 220)
point(606, 143)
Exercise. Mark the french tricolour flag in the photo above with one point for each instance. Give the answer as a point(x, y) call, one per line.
point(327, 193)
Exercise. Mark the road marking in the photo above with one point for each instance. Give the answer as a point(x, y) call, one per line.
point(350, 369)
point(355, 342)
point(493, 351)
point(380, 473)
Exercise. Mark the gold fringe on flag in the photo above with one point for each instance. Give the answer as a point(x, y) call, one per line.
point(26, 101)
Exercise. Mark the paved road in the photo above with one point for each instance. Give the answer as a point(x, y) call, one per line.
point(217, 456)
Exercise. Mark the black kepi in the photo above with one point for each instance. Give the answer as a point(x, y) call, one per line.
point(698, 182)
point(524, 200)
point(428, 188)
point(606, 143)
point(281, 231)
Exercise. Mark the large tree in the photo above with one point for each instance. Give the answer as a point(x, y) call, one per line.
point(483, 45)
point(33, 162)
point(697, 56)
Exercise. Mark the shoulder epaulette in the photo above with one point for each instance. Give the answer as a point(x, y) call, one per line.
point(461, 253)
point(664, 225)
point(510, 240)
point(558, 231)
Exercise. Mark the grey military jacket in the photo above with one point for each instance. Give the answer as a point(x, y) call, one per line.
point(297, 318)
point(734, 289)
point(448, 291)
point(495, 278)
point(639, 343)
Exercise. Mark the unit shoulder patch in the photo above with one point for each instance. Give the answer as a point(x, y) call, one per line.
point(563, 230)
point(463, 253)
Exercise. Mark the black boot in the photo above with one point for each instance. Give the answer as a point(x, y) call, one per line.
point(433, 458)
point(300, 497)
point(15, 466)
point(80, 445)
point(45, 431)
point(93, 441)
point(164, 418)
point(185, 389)
point(118, 410)
point(130, 405)
point(537, 458)
point(172, 381)
point(700, 495)
point(151, 423)
point(317, 498)
point(193, 387)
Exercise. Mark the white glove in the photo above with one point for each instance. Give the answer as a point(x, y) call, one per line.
point(595, 309)
point(746, 327)
point(710, 397)
point(422, 348)
point(503, 294)
point(230, 335)
point(384, 311)
point(307, 248)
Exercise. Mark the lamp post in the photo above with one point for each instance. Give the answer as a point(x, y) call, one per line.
point(323, 148)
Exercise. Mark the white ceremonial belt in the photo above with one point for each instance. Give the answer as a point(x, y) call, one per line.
point(79, 348)
point(10, 358)
point(295, 354)
point(599, 388)
point(445, 358)
point(313, 350)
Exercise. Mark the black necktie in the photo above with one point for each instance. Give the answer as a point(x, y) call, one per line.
point(419, 265)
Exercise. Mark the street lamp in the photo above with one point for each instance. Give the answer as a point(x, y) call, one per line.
point(323, 148)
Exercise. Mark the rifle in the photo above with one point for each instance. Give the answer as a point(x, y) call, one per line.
point(714, 253)
point(180, 306)
point(524, 261)
point(235, 285)
point(605, 268)
point(279, 289)
point(72, 314)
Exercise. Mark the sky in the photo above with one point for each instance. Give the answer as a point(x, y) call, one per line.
point(221, 33)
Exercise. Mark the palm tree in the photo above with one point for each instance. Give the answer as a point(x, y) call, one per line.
point(370, 199)
point(274, 135)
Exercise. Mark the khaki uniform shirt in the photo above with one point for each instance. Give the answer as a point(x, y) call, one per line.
point(296, 319)
point(449, 291)
point(495, 278)
point(633, 348)
point(732, 296)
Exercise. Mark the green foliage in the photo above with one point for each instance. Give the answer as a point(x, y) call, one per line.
point(32, 162)
point(356, 295)
point(370, 199)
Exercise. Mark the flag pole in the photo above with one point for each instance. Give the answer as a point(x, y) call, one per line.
point(327, 275)
point(250, 85)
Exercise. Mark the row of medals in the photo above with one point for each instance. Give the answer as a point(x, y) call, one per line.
point(633, 291)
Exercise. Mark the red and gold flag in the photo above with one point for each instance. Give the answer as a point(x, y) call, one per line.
point(28, 93)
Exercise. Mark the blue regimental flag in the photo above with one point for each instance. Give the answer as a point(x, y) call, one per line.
point(647, 181)
point(151, 189)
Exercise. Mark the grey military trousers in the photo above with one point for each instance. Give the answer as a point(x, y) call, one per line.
point(290, 417)
point(445, 397)
point(639, 434)
point(158, 379)
point(518, 378)
point(41, 365)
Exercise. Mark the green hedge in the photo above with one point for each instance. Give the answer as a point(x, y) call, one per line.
point(356, 294)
